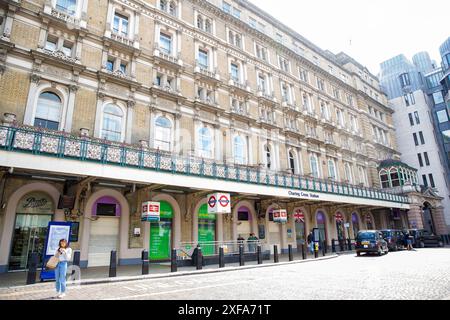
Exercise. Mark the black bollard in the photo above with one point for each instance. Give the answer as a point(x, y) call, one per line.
point(173, 261)
point(113, 264)
point(333, 246)
point(241, 255)
point(324, 248)
point(275, 253)
point(349, 244)
point(199, 259)
point(32, 267)
point(291, 256)
point(221, 258)
point(341, 245)
point(304, 251)
point(145, 262)
point(259, 253)
point(76, 260)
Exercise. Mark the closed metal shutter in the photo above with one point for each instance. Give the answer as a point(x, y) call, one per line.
point(104, 238)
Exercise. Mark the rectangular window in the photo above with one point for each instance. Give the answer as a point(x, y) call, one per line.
point(404, 80)
point(237, 13)
point(252, 22)
point(68, 6)
point(431, 180)
point(416, 142)
point(67, 49)
point(442, 116)
point(419, 156)
point(427, 160)
point(123, 68)
point(235, 72)
point(446, 136)
point(226, 7)
point(422, 140)
point(424, 178)
point(120, 24)
point(437, 97)
point(110, 65)
point(416, 116)
point(203, 59)
point(165, 43)
point(50, 44)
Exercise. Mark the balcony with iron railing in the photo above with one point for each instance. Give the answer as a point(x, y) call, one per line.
point(123, 39)
point(62, 145)
point(310, 114)
point(264, 94)
point(163, 56)
point(237, 83)
point(204, 72)
point(63, 15)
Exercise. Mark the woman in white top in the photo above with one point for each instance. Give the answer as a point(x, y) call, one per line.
point(64, 254)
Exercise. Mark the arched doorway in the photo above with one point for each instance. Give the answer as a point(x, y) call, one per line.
point(161, 234)
point(104, 230)
point(428, 222)
point(300, 227)
point(33, 213)
point(322, 226)
point(206, 230)
point(355, 224)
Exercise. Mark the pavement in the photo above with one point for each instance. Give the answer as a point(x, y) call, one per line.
point(100, 274)
point(423, 274)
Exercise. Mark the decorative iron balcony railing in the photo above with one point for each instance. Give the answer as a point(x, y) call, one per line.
point(69, 146)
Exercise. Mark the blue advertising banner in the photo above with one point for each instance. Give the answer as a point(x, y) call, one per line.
point(55, 232)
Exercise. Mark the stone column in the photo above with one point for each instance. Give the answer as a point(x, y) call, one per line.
point(415, 217)
point(70, 108)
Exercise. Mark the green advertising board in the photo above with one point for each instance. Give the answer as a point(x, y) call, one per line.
point(206, 230)
point(160, 234)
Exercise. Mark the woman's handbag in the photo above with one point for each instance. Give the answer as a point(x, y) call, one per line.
point(52, 263)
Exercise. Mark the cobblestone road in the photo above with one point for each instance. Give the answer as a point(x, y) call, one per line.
point(421, 274)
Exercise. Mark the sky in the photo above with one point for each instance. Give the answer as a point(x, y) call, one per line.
point(370, 31)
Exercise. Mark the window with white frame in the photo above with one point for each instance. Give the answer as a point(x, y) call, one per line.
point(303, 75)
point(262, 82)
point(206, 95)
point(236, 13)
point(239, 150)
point(67, 6)
point(307, 102)
point(283, 63)
point(285, 94)
point(314, 163)
point(54, 43)
point(362, 175)
point(235, 72)
point(235, 38)
point(165, 43)
point(238, 106)
point(112, 123)
point(163, 133)
point(340, 117)
point(348, 173)
point(324, 111)
point(226, 7)
point(350, 100)
point(204, 23)
point(203, 58)
point(291, 157)
point(169, 6)
point(261, 52)
point(336, 93)
point(205, 142)
point(320, 84)
point(120, 25)
point(332, 170)
point(48, 111)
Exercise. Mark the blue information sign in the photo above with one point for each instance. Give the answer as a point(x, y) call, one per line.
point(55, 232)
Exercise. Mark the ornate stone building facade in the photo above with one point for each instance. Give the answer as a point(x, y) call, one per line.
point(115, 102)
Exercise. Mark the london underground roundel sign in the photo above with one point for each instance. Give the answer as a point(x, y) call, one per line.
point(219, 203)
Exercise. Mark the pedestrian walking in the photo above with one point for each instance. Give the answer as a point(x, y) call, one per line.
point(64, 255)
point(409, 242)
point(310, 241)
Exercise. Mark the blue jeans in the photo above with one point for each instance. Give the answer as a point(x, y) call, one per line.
point(60, 276)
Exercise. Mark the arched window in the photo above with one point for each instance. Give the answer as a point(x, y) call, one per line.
point(268, 156)
point(239, 150)
point(200, 22)
point(112, 123)
point(314, 166)
point(292, 162)
point(331, 169)
point(205, 142)
point(362, 175)
point(48, 111)
point(173, 8)
point(355, 224)
point(163, 5)
point(208, 26)
point(348, 173)
point(163, 133)
point(395, 178)
point(384, 179)
point(231, 36)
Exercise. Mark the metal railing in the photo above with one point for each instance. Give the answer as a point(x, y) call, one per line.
point(186, 250)
point(69, 146)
